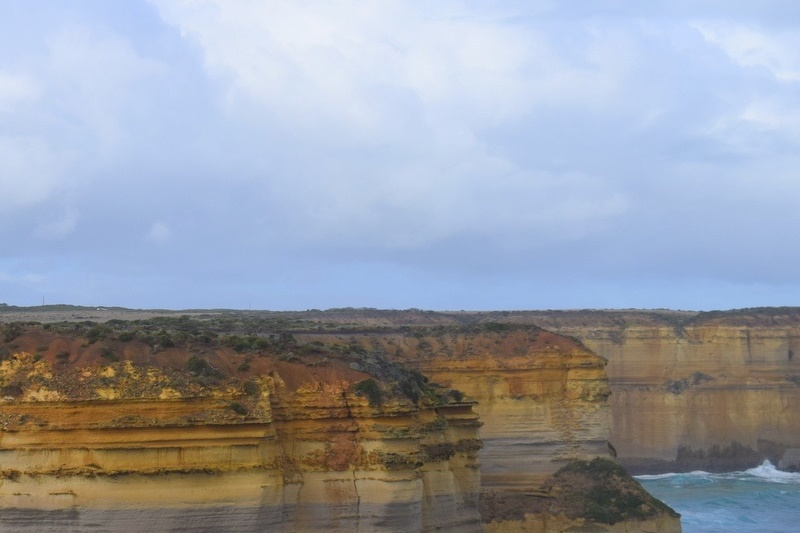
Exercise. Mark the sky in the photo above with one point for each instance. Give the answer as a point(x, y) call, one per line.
point(445, 155)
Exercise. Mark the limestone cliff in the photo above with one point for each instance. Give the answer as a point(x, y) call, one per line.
point(254, 423)
point(542, 400)
point(306, 444)
point(715, 391)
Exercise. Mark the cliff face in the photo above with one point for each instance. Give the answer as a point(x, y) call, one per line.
point(297, 448)
point(711, 391)
point(542, 400)
point(329, 427)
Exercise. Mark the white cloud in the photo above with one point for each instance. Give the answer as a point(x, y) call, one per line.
point(33, 277)
point(416, 84)
point(24, 277)
point(59, 227)
point(423, 202)
point(160, 233)
point(16, 89)
point(29, 173)
point(418, 134)
point(308, 61)
point(94, 75)
point(771, 116)
point(777, 52)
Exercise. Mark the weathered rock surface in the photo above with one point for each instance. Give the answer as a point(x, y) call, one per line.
point(319, 429)
point(541, 397)
point(542, 400)
point(295, 449)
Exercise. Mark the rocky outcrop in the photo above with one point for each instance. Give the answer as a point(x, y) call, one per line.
point(713, 391)
point(596, 495)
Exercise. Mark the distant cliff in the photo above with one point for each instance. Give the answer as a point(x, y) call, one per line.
point(714, 391)
point(273, 423)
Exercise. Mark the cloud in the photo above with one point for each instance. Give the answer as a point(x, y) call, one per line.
point(160, 233)
point(17, 89)
point(352, 60)
point(28, 278)
point(30, 171)
point(385, 111)
point(60, 227)
point(748, 46)
point(69, 114)
point(95, 75)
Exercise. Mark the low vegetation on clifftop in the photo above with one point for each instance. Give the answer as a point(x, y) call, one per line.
point(192, 355)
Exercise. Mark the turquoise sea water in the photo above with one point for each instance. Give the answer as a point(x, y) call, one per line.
point(761, 499)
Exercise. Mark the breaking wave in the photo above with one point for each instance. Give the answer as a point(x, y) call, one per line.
point(765, 471)
point(762, 499)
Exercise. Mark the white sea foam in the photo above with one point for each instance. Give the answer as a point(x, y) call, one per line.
point(695, 473)
point(650, 477)
point(768, 472)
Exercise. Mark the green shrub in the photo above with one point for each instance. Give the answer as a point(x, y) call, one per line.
point(370, 388)
point(126, 336)
point(13, 331)
point(97, 333)
point(602, 491)
point(238, 408)
point(201, 367)
point(409, 389)
point(164, 339)
point(251, 388)
point(107, 353)
point(12, 389)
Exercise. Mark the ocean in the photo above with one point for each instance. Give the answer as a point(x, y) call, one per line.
point(759, 500)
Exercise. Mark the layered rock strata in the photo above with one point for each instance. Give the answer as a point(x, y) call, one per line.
point(307, 426)
point(711, 391)
point(297, 449)
point(541, 397)
point(542, 400)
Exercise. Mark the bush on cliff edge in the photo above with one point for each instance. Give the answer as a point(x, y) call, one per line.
point(370, 389)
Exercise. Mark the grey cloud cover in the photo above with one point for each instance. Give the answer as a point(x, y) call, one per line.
point(447, 155)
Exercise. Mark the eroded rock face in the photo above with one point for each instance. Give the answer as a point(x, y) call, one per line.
point(541, 398)
point(296, 449)
point(305, 431)
point(716, 391)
